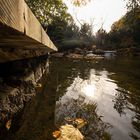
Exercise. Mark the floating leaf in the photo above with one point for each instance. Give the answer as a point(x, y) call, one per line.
point(8, 124)
point(80, 122)
point(56, 134)
point(69, 132)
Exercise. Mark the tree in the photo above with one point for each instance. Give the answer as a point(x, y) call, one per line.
point(132, 4)
point(48, 10)
point(86, 30)
point(125, 33)
point(101, 37)
point(60, 25)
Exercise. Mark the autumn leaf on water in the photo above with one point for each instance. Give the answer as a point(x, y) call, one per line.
point(8, 124)
point(68, 132)
point(56, 134)
point(80, 122)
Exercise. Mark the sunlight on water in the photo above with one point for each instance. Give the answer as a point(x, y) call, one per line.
point(97, 88)
point(113, 85)
point(89, 90)
point(92, 89)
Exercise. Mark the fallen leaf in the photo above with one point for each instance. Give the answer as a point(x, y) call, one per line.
point(69, 132)
point(80, 122)
point(56, 134)
point(8, 124)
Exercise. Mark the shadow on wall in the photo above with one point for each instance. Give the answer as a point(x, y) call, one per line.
point(18, 84)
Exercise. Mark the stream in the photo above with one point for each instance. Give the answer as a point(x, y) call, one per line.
point(112, 84)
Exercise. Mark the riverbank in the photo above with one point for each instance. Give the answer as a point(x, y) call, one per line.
point(87, 56)
point(96, 54)
point(133, 51)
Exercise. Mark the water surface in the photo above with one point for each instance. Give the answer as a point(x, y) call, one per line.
point(112, 84)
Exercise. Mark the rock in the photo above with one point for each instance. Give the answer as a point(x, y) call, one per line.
point(18, 86)
point(57, 54)
point(94, 57)
point(75, 56)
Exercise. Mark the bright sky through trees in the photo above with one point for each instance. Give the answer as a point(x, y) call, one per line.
point(99, 12)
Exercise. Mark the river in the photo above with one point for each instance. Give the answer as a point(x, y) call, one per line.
point(112, 84)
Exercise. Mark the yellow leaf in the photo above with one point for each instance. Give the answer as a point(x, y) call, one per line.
point(80, 123)
point(79, 120)
point(8, 124)
point(56, 134)
point(69, 132)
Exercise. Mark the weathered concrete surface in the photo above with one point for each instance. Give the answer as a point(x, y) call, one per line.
point(19, 29)
point(10, 54)
point(18, 84)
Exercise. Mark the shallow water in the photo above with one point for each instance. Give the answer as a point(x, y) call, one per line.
point(112, 84)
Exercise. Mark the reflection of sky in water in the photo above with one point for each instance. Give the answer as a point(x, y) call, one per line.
point(102, 90)
point(92, 89)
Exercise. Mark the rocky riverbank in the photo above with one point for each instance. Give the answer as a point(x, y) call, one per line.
point(89, 56)
point(133, 51)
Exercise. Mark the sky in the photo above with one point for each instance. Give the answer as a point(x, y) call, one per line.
point(99, 13)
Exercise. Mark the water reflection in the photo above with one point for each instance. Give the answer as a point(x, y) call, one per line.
point(116, 101)
point(120, 101)
point(89, 90)
point(36, 120)
point(109, 87)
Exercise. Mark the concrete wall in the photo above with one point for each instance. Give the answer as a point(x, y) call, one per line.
point(19, 29)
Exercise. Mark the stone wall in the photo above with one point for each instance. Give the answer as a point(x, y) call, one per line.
point(19, 82)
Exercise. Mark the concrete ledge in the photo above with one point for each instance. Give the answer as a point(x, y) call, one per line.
point(20, 28)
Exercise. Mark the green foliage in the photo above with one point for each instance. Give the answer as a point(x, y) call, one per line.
point(59, 24)
point(68, 36)
point(125, 33)
point(132, 4)
point(86, 31)
point(100, 37)
point(48, 10)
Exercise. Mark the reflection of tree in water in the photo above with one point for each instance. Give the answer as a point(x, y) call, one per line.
point(136, 123)
point(72, 109)
point(120, 101)
point(67, 71)
point(126, 74)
